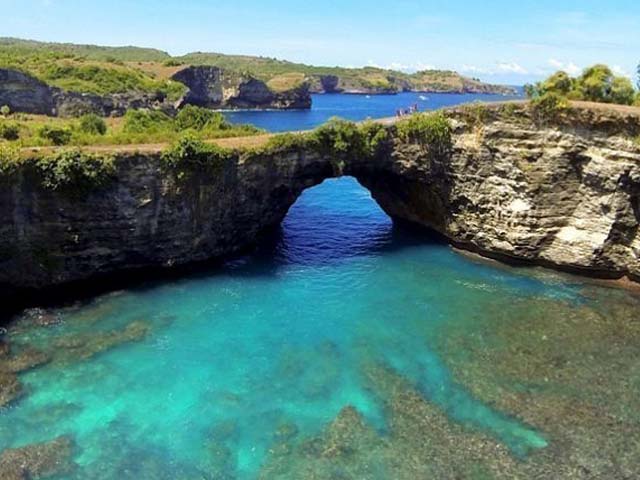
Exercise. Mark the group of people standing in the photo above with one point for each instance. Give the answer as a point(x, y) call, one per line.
point(407, 111)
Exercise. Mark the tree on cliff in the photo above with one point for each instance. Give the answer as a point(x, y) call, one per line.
point(596, 84)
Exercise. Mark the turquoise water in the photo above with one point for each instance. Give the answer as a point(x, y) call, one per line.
point(279, 337)
point(356, 108)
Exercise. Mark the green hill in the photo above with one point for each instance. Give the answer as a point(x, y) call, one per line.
point(107, 70)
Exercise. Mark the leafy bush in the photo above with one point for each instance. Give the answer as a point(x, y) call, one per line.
point(596, 84)
point(9, 159)
point(428, 129)
point(548, 106)
point(197, 118)
point(375, 137)
point(9, 131)
point(75, 173)
point(92, 124)
point(5, 111)
point(340, 139)
point(622, 91)
point(190, 155)
point(284, 142)
point(144, 121)
point(56, 135)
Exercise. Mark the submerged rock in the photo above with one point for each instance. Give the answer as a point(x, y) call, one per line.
point(37, 461)
point(84, 346)
point(10, 388)
point(24, 360)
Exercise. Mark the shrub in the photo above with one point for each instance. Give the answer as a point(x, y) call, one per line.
point(428, 129)
point(622, 91)
point(375, 137)
point(172, 63)
point(340, 139)
point(283, 142)
point(75, 173)
point(190, 155)
point(9, 159)
point(548, 106)
point(9, 131)
point(92, 124)
point(559, 82)
point(5, 111)
point(197, 118)
point(596, 84)
point(56, 135)
point(144, 121)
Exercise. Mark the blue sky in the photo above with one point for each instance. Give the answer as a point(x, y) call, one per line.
point(501, 41)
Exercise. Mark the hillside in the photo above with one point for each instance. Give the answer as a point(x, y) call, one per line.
point(107, 70)
point(349, 80)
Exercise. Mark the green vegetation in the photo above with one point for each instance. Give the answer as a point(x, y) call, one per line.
point(54, 134)
point(548, 107)
point(72, 172)
point(77, 173)
point(190, 155)
point(88, 69)
point(5, 111)
point(9, 131)
point(107, 70)
point(191, 117)
point(432, 130)
point(136, 127)
point(92, 124)
point(596, 84)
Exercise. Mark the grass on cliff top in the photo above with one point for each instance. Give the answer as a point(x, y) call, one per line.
point(89, 69)
point(136, 127)
point(76, 172)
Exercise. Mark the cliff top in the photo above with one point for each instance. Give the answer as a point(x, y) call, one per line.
point(616, 119)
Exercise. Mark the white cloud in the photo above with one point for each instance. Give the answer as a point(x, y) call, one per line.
point(403, 67)
point(569, 67)
point(500, 68)
point(473, 69)
point(618, 70)
point(512, 67)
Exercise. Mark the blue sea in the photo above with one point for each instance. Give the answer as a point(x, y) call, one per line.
point(356, 108)
point(242, 371)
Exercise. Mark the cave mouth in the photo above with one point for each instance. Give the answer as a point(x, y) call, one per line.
point(334, 220)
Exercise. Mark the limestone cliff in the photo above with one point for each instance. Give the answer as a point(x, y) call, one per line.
point(209, 87)
point(563, 193)
point(24, 93)
point(213, 87)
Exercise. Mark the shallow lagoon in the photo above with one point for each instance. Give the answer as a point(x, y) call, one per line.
point(344, 347)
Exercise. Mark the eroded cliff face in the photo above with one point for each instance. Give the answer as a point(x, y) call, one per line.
point(562, 194)
point(24, 93)
point(212, 87)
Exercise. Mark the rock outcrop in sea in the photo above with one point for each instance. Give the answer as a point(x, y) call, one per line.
point(563, 193)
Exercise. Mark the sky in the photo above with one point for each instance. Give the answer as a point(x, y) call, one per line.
point(503, 41)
